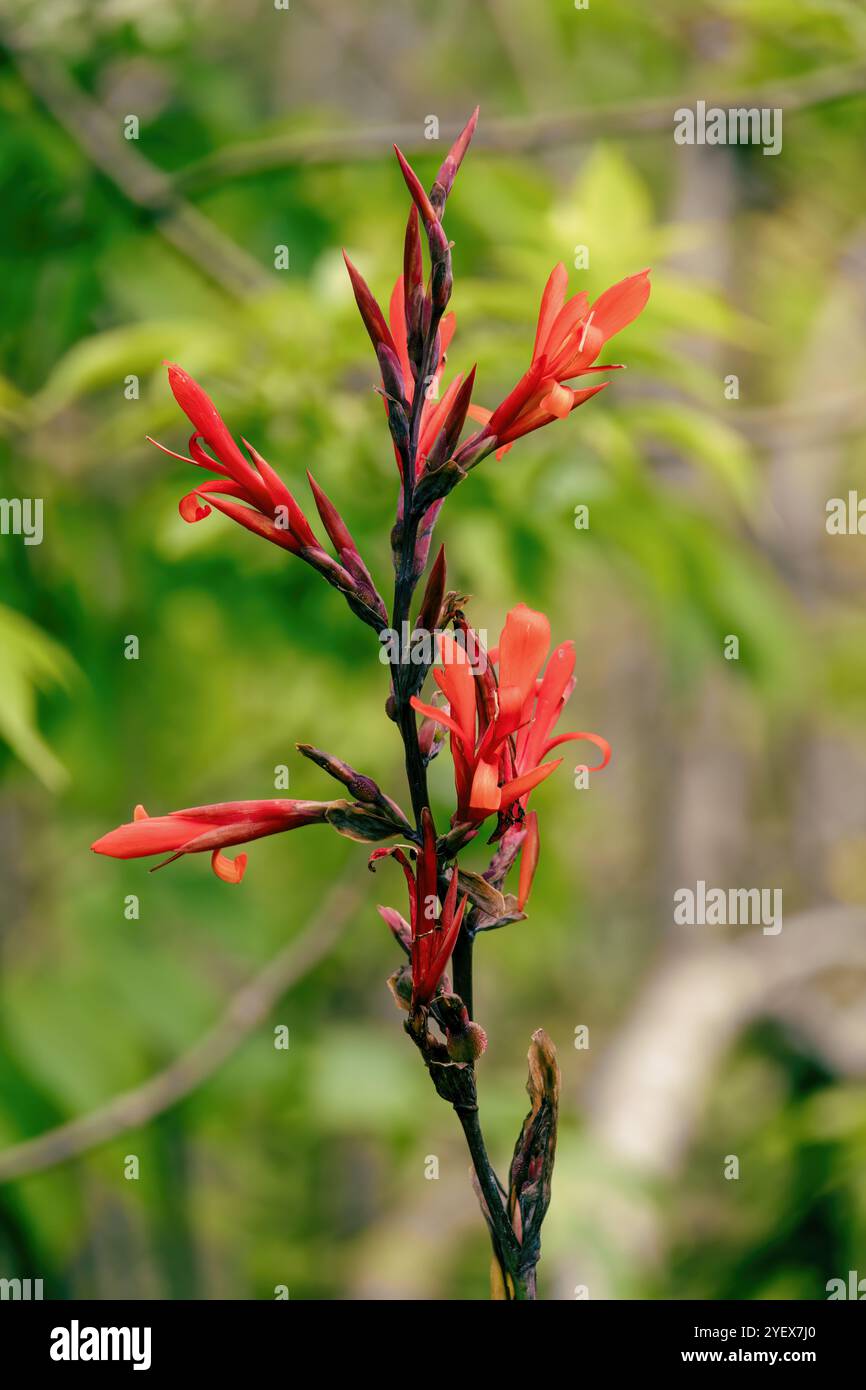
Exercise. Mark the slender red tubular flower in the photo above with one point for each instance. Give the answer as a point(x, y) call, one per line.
point(501, 719)
point(347, 551)
point(255, 496)
point(568, 339)
point(432, 935)
point(374, 319)
point(417, 190)
point(451, 163)
point(210, 828)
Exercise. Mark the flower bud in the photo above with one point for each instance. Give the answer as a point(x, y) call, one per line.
point(400, 985)
point(465, 1040)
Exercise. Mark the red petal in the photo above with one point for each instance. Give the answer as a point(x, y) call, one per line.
point(519, 786)
point(621, 304)
point(229, 870)
point(528, 859)
point(257, 523)
point(559, 401)
point(597, 739)
point(523, 646)
point(552, 300)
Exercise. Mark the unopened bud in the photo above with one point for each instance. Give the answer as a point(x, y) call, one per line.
point(466, 1044)
point(392, 376)
point(464, 1039)
point(400, 985)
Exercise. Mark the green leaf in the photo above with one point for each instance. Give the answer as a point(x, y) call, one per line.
point(29, 661)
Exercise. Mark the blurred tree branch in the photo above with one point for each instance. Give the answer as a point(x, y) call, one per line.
point(243, 1013)
point(98, 135)
point(517, 134)
point(646, 1098)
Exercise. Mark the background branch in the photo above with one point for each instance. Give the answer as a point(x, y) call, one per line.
point(516, 135)
point(243, 1013)
point(98, 135)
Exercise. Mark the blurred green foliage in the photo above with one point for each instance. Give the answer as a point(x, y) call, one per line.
point(305, 1168)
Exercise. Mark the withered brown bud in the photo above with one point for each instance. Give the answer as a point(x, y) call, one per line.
point(535, 1150)
point(359, 822)
point(400, 985)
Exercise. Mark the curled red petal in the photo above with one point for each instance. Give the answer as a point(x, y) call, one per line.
point(600, 743)
point(229, 870)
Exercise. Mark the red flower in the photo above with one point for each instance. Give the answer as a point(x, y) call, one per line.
point(431, 939)
point(568, 339)
point(501, 722)
point(208, 828)
point(255, 496)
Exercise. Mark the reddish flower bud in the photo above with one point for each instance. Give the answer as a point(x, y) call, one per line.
point(451, 163)
point(413, 291)
point(449, 435)
point(362, 788)
point(465, 1040)
point(374, 321)
point(400, 928)
point(431, 604)
point(416, 189)
point(392, 376)
point(433, 937)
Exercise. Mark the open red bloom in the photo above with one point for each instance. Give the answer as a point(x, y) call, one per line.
point(210, 828)
point(501, 720)
point(254, 495)
point(431, 937)
point(570, 335)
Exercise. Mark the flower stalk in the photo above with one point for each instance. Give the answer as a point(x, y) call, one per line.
point(498, 710)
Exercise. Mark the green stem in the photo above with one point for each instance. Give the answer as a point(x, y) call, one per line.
point(520, 1284)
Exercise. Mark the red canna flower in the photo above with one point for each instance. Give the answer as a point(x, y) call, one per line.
point(502, 720)
point(210, 828)
point(254, 495)
point(568, 339)
point(431, 938)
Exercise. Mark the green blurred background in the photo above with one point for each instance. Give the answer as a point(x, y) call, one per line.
point(306, 1167)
